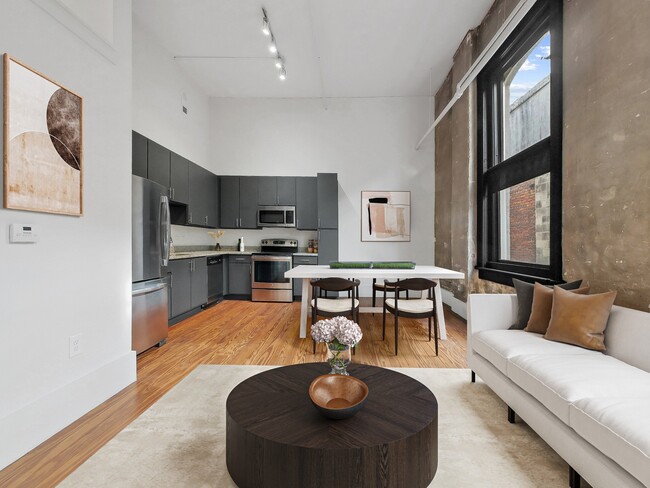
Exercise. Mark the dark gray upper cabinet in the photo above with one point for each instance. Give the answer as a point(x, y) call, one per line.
point(276, 190)
point(267, 190)
point(247, 202)
point(229, 201)
point(181, 285)
point(213, 200)
point(199, 282)
point(179, 188)
point(328, 201)
point(139, 155)
point(306, 205)
point(202, 206)
point(158, 163)
point(328, 246)
point(286, 190)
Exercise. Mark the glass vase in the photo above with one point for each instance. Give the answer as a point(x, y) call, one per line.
point(339, 357)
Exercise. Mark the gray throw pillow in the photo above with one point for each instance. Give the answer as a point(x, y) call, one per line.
point(525, 300)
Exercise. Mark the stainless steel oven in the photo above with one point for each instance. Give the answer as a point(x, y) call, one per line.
point(267, 278)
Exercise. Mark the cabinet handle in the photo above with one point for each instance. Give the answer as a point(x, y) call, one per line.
point(189, 220)
point(319, 222)
point(171, 193)
point(250, 269)
point(206, 220)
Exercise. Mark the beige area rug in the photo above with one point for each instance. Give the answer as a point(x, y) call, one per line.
point(180, 440)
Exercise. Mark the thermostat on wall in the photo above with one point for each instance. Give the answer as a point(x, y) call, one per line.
point(22, 233)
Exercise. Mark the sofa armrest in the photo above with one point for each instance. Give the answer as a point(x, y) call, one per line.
point(489, 312)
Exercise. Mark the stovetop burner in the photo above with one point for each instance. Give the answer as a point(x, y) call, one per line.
point(272, 247)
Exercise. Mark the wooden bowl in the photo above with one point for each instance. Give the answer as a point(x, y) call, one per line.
point(338, 396)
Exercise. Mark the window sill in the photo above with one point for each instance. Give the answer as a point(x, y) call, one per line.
point(505, 277)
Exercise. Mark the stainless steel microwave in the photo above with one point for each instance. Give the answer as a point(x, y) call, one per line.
point(276, 216)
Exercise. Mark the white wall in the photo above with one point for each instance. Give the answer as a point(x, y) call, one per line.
point(369, 142)
point(77, 278)
point(158, 88)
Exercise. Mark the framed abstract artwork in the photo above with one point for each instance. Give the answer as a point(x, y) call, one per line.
point(43, 143)
point(386, 216)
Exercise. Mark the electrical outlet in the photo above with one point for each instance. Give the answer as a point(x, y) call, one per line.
point(75, 345)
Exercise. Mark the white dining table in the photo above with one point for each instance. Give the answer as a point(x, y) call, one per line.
point(307, 273)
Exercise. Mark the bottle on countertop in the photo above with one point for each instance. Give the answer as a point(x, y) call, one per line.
point(240, 246)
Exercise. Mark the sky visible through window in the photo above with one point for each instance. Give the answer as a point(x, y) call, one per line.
point(535, 68)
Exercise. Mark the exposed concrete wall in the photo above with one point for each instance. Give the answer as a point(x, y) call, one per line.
point(606, 188)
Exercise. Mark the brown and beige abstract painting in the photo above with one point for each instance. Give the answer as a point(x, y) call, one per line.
point(43, 143)
point(386, 216)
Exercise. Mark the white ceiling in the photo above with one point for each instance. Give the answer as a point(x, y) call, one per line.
point(333, 48)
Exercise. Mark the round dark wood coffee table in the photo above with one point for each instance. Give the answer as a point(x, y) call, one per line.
point(276, 438)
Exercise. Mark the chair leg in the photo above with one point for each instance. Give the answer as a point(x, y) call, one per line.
point(383, 326)
point(313, 321)
point(435, 329)
point(574, 478)
point(429, 320)
point(374, 296)
point(396, 330)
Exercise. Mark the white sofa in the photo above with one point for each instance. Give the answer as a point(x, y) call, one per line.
point(592, 408)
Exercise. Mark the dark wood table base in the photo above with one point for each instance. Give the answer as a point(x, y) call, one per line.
point(276, 438)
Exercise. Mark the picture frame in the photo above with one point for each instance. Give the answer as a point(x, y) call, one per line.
point(386, 216)
point(43, 142)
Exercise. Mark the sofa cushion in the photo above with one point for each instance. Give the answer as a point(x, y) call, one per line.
point(525, 300)
point(497, 346)
point(540, 314)
point(580, 319)
point(559, 380)
point(619, 428)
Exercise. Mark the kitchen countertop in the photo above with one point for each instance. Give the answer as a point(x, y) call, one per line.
point(200, 253)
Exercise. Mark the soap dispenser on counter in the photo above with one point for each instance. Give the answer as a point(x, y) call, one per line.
point(240, 245)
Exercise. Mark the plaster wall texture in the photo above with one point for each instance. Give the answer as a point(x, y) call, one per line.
point(77, 278)
point(370, 143)
point(606, 175)
point(160, 88)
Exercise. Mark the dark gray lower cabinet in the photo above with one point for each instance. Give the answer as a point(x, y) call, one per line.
point(302, 261)
point(189, 284)
point(328, 246)
point(239, 275)
point(181, 284)
point(199, 282)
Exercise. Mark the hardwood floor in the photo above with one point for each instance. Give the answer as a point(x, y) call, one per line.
point(233, 332)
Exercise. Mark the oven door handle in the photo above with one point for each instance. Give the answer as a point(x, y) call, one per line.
point(272, 258)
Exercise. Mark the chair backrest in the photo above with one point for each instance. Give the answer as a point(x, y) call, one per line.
point(413, 284)
point(335, 284)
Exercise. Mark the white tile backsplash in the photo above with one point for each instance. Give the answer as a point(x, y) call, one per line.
point(195, 236)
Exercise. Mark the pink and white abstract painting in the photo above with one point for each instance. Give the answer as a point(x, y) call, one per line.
point(386, 216)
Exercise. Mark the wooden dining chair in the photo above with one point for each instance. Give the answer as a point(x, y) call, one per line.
point(381, 287)
point(419, 308)
point(334, 307)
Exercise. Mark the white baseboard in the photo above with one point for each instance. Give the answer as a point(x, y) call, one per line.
point(458, 307)
point(24, 429)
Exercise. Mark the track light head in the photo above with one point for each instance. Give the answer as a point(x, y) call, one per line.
point(266, 27)
point(283, 74)
point(279, 62)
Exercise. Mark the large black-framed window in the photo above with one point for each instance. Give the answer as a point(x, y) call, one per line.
point(520, 153)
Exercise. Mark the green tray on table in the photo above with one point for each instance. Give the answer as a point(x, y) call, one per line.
point(372, 265)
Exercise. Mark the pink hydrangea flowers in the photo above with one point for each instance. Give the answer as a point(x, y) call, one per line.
point(338, 329)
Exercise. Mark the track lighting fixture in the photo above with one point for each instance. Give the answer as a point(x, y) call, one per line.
point(273, 48)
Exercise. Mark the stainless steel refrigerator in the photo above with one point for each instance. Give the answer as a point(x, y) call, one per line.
point(151, 231)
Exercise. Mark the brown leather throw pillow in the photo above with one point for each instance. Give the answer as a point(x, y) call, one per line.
point(580, 320)
point(540, 314)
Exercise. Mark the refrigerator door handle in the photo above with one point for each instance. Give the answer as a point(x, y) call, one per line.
point(165, 230)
